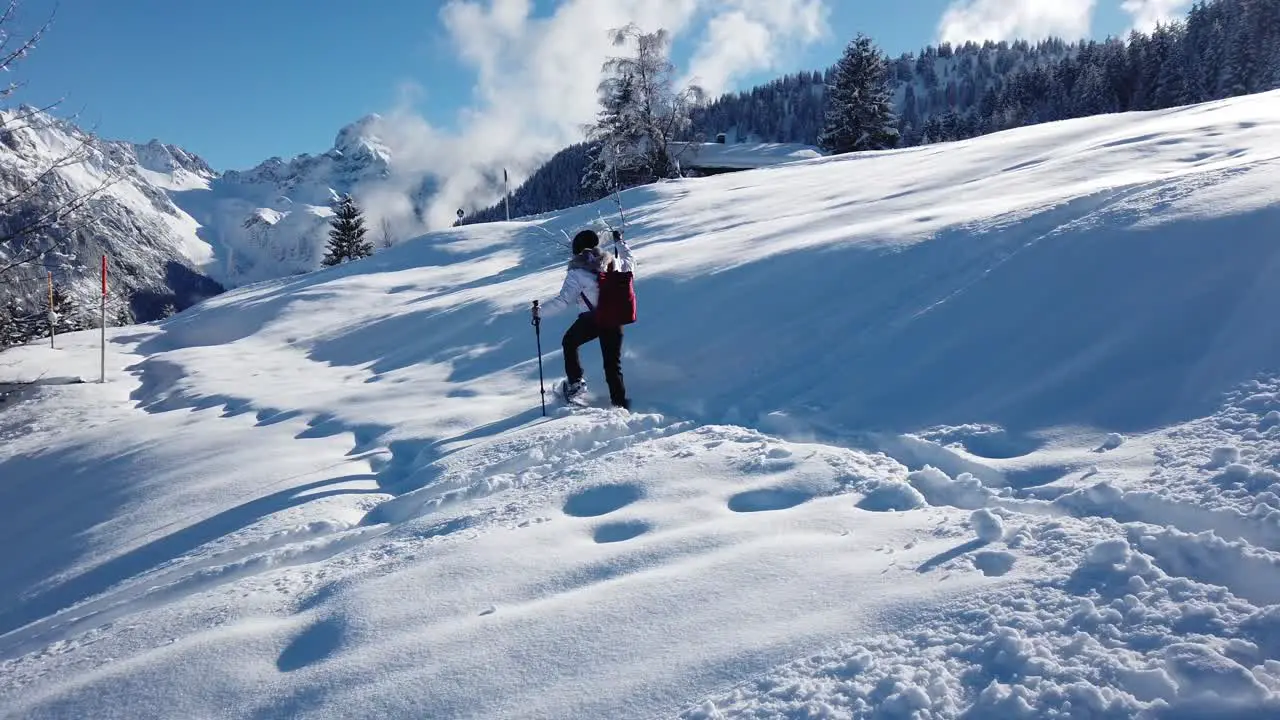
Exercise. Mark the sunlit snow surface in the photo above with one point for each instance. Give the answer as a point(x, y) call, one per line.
point(982, 429)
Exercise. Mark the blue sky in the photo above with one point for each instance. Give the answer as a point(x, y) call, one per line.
point(237, 81)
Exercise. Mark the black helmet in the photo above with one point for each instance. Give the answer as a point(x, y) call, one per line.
point(585, 239)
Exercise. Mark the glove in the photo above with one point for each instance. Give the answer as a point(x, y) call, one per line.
point(537, 313)
point(617, 235)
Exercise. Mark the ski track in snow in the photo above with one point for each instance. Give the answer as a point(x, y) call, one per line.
point(459, 555)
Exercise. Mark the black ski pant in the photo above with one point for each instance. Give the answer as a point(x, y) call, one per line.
point(584, 330)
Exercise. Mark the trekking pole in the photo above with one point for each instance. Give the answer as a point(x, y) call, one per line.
point(617, 196)
point(537, 332)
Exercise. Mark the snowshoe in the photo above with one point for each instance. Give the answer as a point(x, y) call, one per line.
point(575, 394)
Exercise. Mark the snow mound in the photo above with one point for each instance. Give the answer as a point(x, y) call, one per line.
point(988, 526)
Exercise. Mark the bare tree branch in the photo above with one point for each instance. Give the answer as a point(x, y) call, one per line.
point(49, 220)
point(22, 51)
point(74, 156)
point(47, 223)
point(22, 117)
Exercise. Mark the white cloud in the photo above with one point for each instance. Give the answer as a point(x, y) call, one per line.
point(980, 20)
point(536, 81)
point(1146, 13)
point(748, 35)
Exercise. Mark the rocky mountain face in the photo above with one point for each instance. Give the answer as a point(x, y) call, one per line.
point(174, 230)
point(272, 220)
point(70, 198)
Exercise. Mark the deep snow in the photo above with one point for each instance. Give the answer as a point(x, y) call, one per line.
point(987, 428)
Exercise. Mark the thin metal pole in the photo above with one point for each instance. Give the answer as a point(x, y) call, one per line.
point(103, 377)
point(51, 320)
point(537, 331)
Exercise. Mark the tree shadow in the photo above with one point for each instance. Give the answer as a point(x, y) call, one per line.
point(1118, 327)
point(157, 552)
point(944, 557)
point(94, 489)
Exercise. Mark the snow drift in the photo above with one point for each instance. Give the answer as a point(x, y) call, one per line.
point(987, 427)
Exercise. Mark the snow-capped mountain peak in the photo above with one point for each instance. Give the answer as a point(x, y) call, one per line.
point(361, 141)
point(234, 227)
point(165, 158)
point(298, 193)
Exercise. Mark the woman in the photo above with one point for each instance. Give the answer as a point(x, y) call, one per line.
point(581, 286)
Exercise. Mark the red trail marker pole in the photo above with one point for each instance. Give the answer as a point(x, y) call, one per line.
point(51, 318)
point(103, 377)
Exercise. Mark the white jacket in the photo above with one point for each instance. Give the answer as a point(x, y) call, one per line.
point(581, 280)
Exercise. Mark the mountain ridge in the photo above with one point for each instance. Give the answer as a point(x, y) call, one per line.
point(174, 229)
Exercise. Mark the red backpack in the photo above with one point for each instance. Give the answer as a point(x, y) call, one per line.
point(617, 298)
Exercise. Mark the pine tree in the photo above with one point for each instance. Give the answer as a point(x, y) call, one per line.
point(1167, 46)
point(1268, 43)
point(67, 311)
point(1241, 59)
point(9, 331)
point(616, 154)
point(860, 114)
point(124, 315)
point(21, 324)
point(64, 313)
point(1093, 96)
point(346, 236)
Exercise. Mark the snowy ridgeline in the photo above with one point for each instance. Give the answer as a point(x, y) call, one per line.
point(985, 429)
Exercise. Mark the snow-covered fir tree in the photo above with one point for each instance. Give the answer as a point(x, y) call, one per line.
point(346, 236)
point(641, 111)
point(66, 315)
point(124, 315)
point(10, 332)
point(860, 112)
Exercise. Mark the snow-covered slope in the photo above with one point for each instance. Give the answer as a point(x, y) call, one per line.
point(986, 429)
point(739, 156)
point(153, 245)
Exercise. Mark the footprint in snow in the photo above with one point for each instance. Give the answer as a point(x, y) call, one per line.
point(768, 499)
point(620, 531)
point(312, 645)
point(601, 500)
